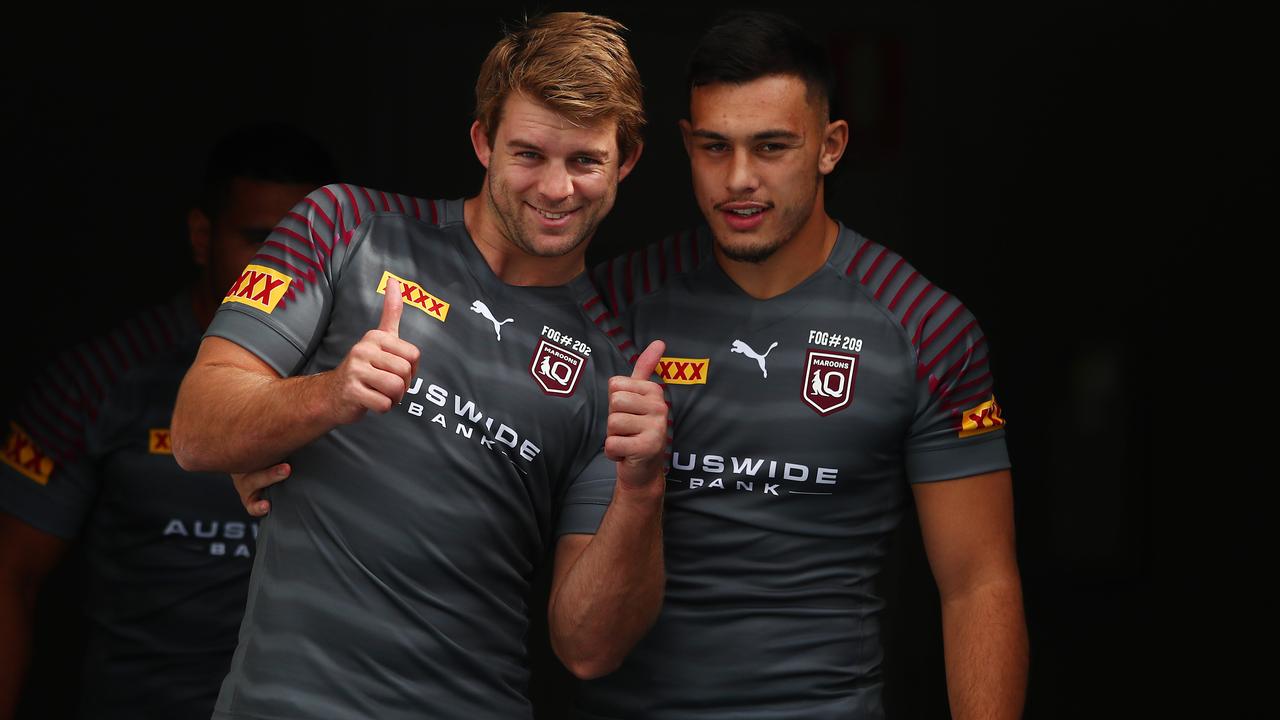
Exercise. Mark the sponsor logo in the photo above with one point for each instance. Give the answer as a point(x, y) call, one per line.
point(981, 419)
point(469, 419)
point(483, 310)
point(684, 371)
point(416, 296)
point(225, 538)
point(760, 475)
point(259, 287)
point(745, 349)
point(158, 443)
point(556, 368)
point(828, 380)
point(21, 454)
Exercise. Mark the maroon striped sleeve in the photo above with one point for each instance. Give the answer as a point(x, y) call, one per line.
point(925, 320)
point(889, 279)
point(355, 206)
point(942, 328)
point(866, 277)
point(902, 291)
point(856, 257)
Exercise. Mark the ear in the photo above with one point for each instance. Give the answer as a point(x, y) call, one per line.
point(686, 134)
point(630, 161)
point(199, 232)
point(480, 143)
point(834, 141)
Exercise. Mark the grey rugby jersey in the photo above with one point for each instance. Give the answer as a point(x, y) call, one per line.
point(394, 569)
point(167, 552)
point(798, 423)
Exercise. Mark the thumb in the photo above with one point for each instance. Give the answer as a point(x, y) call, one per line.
point(391, 308)
point(648, 360)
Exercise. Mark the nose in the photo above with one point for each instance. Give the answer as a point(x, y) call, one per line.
point(555, 183)
point(742, 178)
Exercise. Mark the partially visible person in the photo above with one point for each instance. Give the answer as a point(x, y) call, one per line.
point(454, 405)
point(88, 458)
point(818, 382)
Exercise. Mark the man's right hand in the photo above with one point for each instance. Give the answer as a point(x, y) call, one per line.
point(377, 370)
point(251, 485)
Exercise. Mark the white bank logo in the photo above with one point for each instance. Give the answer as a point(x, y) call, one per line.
point(226, 539)
point(467, 418)
point(765, 476)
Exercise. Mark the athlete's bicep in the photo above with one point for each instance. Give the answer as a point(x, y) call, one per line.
point(967, 525)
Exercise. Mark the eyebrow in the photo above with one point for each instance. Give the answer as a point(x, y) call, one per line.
point(762, 135)
point(597, 153)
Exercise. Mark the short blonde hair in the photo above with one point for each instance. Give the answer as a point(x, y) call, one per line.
point(578, 64)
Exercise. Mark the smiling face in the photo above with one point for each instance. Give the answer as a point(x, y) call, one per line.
point(548, 183)
point(758, 152)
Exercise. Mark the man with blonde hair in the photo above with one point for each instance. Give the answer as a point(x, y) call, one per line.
point(393, 573)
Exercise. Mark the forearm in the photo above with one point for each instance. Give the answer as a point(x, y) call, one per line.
point(986, 651)
point(612, 594)
point(16, 611)
point(229, 419)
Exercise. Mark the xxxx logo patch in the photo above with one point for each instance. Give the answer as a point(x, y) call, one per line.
point(981, 419)
point(22, 454)
point(158, 442)
point(416, 296)
point(259, 287)
point(684, 371)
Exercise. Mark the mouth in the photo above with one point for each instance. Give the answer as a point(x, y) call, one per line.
point(553, 218)
point(742, 215)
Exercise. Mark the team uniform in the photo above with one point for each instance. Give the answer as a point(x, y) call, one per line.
point(168, 552)
point(394, 570)
point(799, 422)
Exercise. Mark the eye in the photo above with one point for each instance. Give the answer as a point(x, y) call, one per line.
point(715, 147)
point(769, 148)
point(527, 155)
point(587, 161)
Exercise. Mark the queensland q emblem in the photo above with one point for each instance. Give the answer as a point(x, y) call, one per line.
point(828, 380)
point(556, 368)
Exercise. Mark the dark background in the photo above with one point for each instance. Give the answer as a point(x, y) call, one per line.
point(1094, 180)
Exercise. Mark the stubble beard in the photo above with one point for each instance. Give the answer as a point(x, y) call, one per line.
point(519, 236)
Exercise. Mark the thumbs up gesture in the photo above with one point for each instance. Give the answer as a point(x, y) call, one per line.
point(378, 369)
point(637, 431)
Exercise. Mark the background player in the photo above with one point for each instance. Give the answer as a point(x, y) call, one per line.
point(791, 466)
point(88, 456)
point(396, 566)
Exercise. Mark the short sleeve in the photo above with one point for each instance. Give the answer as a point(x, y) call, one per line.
point(47, 476)
point(279, 305)
point(958, 428)
point(587, 497)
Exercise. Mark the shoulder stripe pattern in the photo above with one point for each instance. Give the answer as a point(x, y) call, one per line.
point(304, 242)
point(951, 350)
point(625, 279)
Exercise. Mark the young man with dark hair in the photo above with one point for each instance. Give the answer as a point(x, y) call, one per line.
point(88, 458)
point(438, 453)
point(815, 377)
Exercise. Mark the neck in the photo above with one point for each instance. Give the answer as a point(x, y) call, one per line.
point(790, 265)
point(512, 265)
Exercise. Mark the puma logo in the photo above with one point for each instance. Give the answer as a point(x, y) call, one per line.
point(483, 309)
point(745, 349)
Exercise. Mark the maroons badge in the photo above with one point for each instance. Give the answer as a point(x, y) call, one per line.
point(556, 368)
point(828, 380)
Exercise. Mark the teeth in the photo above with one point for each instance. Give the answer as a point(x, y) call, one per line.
point(551, 215)
point(748, 212)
